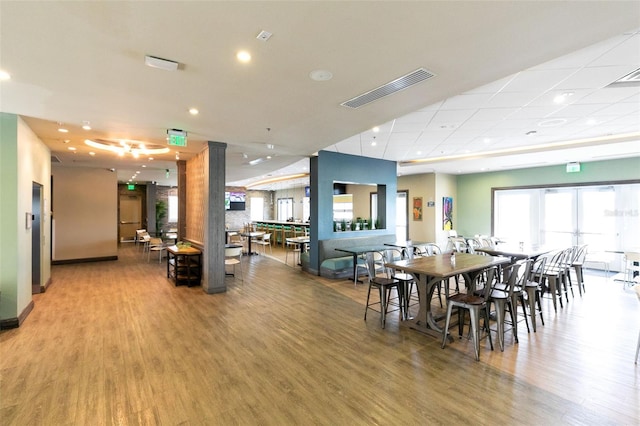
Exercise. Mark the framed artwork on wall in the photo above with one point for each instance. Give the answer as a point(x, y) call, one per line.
point(447, 213)
point(417, 208)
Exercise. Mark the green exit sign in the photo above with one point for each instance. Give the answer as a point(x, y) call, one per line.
point(573, 167)
point(131, 187)
point(176, 140)
point(177, 137)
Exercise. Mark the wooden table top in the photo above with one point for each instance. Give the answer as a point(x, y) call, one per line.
point(183, 250)
point(440, 265)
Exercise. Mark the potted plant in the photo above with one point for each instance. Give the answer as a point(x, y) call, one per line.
point(161, 213)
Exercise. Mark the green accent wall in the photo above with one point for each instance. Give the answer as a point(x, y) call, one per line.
point(8, 215)
point(474, 190)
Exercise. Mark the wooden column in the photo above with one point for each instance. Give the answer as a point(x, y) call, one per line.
point(214, 235)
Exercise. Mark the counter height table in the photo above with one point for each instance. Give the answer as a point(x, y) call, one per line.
point(404, 245)
point(429, 271)
point(250, 236)
point(358, 251)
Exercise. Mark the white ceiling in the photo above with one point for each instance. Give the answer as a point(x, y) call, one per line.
point(498, 67)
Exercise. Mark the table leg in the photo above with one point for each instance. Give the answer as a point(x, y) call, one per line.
point(425, 321)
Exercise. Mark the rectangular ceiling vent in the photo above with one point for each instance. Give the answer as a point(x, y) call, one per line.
point(390, 88)
point(55, 159)
point(631, 79)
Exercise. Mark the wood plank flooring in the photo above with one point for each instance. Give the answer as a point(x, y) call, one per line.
point(117, 343)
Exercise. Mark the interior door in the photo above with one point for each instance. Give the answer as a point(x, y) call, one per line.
point(130, 216)
point(36, 238)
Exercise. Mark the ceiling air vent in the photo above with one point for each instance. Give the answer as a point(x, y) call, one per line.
point(55, 159)
point(390, 88)
point(631, 79)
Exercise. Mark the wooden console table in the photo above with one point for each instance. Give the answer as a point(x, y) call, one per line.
point(184, 265)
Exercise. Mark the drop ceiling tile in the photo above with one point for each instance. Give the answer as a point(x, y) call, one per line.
point(537, 80)
point(456, 117)
point(404, 127)
point(610, 95)
point(493, 87)
point(578, 110)
point(466, 101)
point(511, 99)
point(492, 114)
point(627, 52)
point(421, 117)
point(595, 77)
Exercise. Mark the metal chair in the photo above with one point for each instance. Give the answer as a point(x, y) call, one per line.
point(502, 298)
point(637, 289)
point(384, 284)
point(534, 291)
point(475, 305)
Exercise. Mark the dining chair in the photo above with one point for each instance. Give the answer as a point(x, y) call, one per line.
point(476, 305)
point(533, 290)
point(637, 290)
point(406, 281)
point(264, 242)
point(233, 258)
point(156, 245)
point(577, 264)
point(501, 296)
point(294, 248)
point(384, 284)
point(632, 267)
point(518, 290)
point(553, 277)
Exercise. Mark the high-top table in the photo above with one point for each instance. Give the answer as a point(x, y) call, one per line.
point(429, 271)
point(250, 236)
point(358, 251)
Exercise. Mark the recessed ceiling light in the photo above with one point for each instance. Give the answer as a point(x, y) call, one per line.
point(321, 75)
point(194, 111)
point(86, 125)
point(375, 129)
point(4, 75)
point(144, 165)
point(243, 56)
point(562, 97)
point(150, 158)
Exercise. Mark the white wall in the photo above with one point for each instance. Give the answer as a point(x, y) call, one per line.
point(422, 185)
point(85, 211)
point(24, 159)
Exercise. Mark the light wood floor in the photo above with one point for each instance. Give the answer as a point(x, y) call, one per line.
point(116, 343)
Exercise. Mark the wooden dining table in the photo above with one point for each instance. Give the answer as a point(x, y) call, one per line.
point(515, 252)
point(430, 270)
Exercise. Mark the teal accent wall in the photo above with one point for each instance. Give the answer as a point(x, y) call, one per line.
point(474, 190)
point(329, 167)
